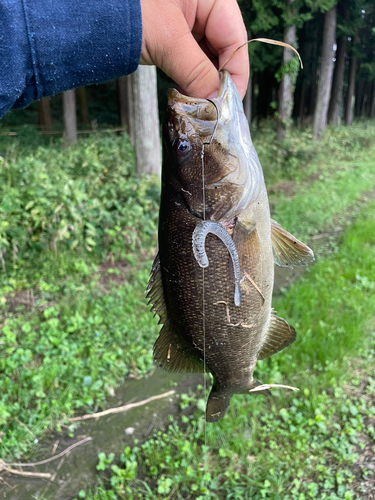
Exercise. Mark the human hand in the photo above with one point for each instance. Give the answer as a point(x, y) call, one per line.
point(190, 39)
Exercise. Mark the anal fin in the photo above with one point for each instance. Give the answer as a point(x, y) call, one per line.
point(279, 335)
point(173, 355)
point(287, 250)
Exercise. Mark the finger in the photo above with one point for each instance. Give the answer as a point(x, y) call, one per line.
point(225, 31)
point(188, 65)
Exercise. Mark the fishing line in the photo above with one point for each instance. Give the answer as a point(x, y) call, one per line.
point(203, 287)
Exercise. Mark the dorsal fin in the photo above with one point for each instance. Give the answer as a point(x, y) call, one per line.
point(287, 250)
point(279, 335)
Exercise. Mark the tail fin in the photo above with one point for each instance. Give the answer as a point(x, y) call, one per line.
point(217, 406)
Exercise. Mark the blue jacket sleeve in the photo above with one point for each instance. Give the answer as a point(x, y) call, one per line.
point(47, 46)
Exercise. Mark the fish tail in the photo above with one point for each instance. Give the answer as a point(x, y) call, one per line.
point(219, 400)
point(217, 406)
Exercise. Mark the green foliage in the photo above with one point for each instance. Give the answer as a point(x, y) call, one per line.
point(292, 67)
point(74, 326)
point(290, 447)
point(71, 329)
point(85, 197)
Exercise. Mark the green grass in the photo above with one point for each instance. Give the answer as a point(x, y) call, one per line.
point(296, 446)
point(80, 336)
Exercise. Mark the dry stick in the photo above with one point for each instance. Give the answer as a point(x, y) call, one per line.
point(264, 40)
point(55, 446)
point(25, 426)
point(4, 465)
point(121, 409)
point(44, 475)
point(270, 386)
point(256, 287)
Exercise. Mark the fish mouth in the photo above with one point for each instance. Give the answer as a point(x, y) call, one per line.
point(199, 109)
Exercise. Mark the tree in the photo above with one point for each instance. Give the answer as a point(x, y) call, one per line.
point(83, 108)
point(125, 103)
point(351, 88)
point(146, 121)
point(70, 116)
point(326, 72)
point(286, 89)
point(44, 114)
point(338, 79)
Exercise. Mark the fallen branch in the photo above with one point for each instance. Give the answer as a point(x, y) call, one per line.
point(121, 409)
point(5, 466)
point(270, 386)
point(43, 475)
point(25, 426)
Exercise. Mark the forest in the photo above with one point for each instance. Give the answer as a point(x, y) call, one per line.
point(84, 413)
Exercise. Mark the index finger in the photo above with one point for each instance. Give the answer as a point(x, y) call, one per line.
point(225, 31)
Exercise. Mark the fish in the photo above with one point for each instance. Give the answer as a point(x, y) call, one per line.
point(212, 280)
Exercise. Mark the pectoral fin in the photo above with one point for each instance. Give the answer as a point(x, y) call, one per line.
point(279, 335)
point(246, 240)
point(287, 250)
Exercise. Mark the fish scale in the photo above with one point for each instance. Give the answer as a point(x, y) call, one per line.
point(231, 338)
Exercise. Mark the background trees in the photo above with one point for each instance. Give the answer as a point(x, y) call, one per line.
point(334, 37)
point(336, 40)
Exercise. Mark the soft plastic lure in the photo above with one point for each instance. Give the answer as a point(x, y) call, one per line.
point(199, 239)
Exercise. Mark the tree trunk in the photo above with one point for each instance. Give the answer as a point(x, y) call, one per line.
point(70, 116)
point(125, 105)
point(326, 72)
point(372, 102)
point(301, 110)
point(146, 121)
point(44, 114)
point(314, 70)
point(338, 79)
point(285, 107)
point(265, 94)
point(359, 94)
point(83, 108)
point(365, 111)
point(247, 101)
point(351, 89)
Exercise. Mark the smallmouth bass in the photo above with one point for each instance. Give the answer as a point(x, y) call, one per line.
point(226, 319)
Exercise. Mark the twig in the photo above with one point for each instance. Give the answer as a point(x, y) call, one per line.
point(151, 426)
point(55, 447)
point(45, 475)
point(256, 287)
point(25, 426)
point(226, 308)
point(264, 40)
point(121, 409)
point(4, 465)
point(270, 386)
point(58, 468)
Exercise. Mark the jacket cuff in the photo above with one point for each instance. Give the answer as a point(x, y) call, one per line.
point(64, 44)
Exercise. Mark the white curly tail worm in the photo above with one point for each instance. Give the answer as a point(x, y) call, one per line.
point(199, 239)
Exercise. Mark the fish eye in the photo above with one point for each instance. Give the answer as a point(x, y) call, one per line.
point(183, 147)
